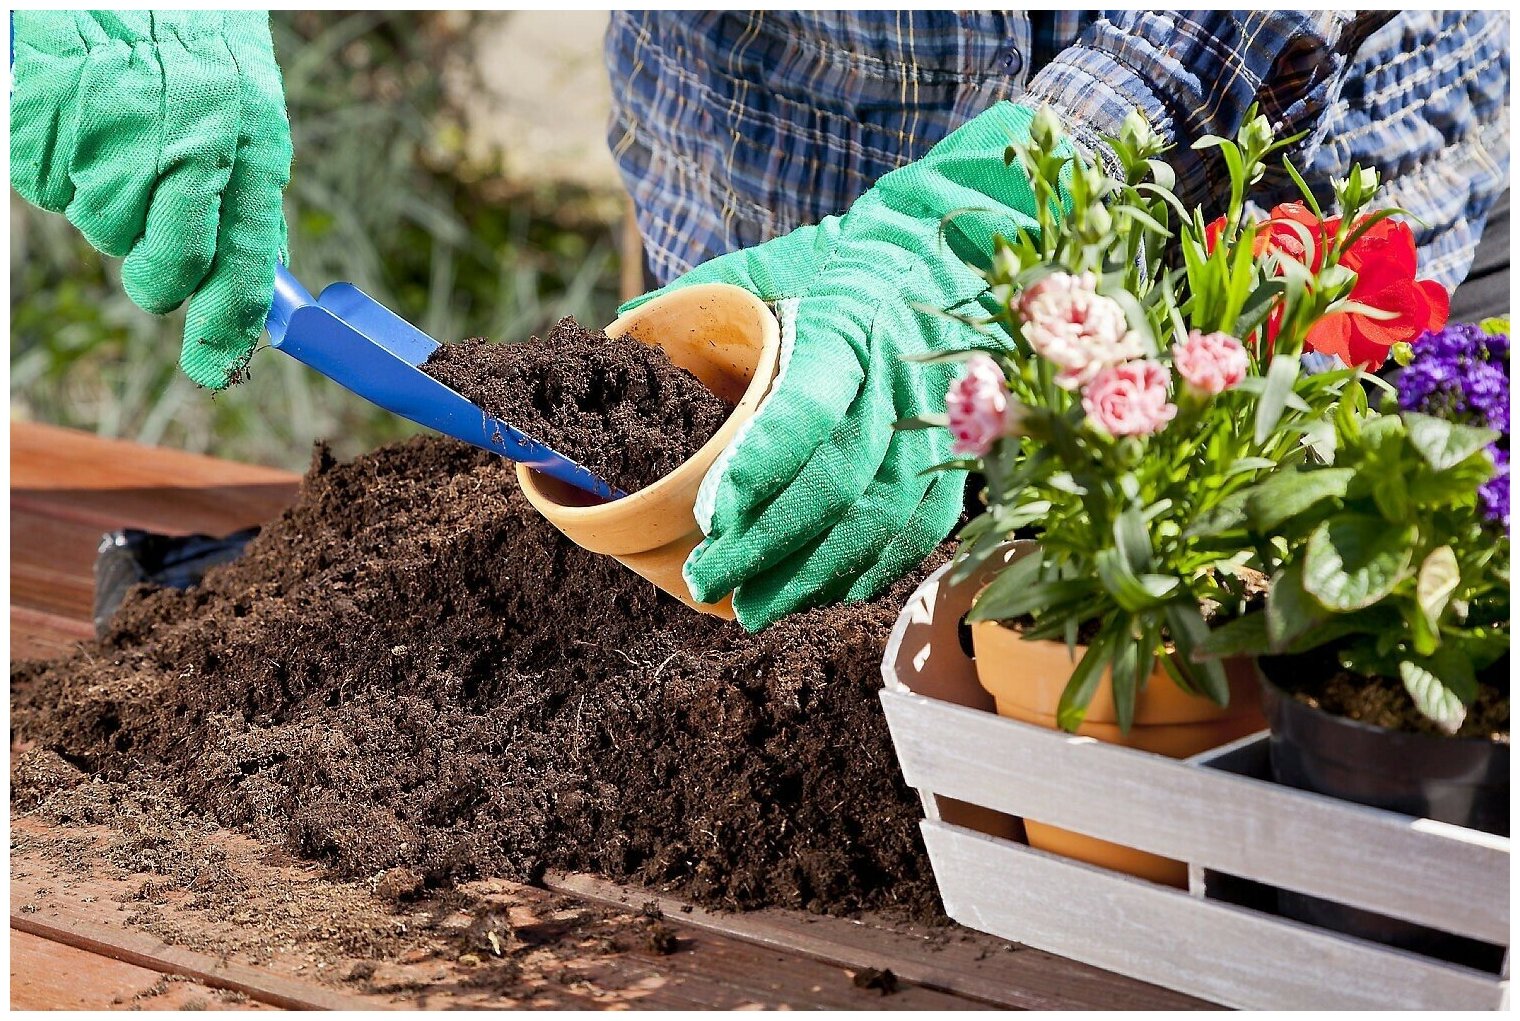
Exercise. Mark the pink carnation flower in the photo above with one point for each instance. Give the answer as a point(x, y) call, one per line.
point(979, 410)
point(1210, 363)
point(1130, 400)
point(1069, 323)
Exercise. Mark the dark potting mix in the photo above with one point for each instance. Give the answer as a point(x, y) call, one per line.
point(410, 669)
point(615, 405)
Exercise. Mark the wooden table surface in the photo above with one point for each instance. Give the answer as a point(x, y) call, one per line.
point(74, 944)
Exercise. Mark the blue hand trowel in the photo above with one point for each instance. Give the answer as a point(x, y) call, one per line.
point(365, 347)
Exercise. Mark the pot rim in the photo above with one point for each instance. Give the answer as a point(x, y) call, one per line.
point(700, 462)
point(1369, 729)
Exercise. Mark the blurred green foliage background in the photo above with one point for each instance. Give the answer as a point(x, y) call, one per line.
point(381, 194)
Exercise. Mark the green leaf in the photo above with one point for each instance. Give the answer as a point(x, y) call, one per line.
point(1290, 612)
point(1165, 195)
point(1249, 464)
point(1303, 189)
point(929, 420)
point(1258, 306)
point(1243, 636)
point(1011, 603)
point(938, 357)
point(1189, 633)
point(1134, 315)
point(1228, 515)
point(1142, 217)
point(1122, 676)
point(1132, 539)
point(1281, 374)
point(1319, 438)
point(1445, 444)
point(1390, 491)
point(965, 464)
point(1011, 582)
point(1354, 560)
point(1441, 685)
point(1071, 709)
point(1293, 491)
point(1438, 579)
point(1130, 591)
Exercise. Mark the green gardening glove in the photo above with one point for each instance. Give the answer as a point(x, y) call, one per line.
point(819, 499)
point(162, 136)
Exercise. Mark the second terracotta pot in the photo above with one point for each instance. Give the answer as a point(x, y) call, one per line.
point(1026, 678)
point(729, 340)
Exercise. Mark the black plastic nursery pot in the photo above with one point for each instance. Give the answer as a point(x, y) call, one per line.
point(1462, 781)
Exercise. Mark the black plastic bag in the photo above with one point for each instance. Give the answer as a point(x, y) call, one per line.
point(132, 556)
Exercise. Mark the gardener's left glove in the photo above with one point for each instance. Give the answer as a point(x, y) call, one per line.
point(819, 499)
point(162, 136)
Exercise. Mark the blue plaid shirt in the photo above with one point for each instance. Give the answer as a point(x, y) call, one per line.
point(731, 128)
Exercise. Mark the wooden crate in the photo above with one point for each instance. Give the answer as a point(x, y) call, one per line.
point(1215, 811)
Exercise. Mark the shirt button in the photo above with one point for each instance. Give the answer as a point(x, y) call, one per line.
point(1012, 63)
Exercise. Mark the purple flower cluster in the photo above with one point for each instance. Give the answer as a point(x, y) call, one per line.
point(1461, 374)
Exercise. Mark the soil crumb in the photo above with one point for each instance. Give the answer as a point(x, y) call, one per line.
point(872, 978)
point(617, 406)
point(411, 675)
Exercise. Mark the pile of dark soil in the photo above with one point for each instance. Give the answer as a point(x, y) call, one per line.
point(411, 669)
point(617, 406)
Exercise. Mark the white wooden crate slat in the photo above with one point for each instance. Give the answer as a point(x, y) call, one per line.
point(1236, 824)
point(1231, 955)
point(951, 744)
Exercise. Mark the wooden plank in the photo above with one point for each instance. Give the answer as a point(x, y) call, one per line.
point(107, 484)
point(46, 457)
point(1207, 948)
point(956, 960)
point(54, 976)
point(598, 961)
point(1236, 824)
point(39, 635)
point(52, 564)
point(155, 955)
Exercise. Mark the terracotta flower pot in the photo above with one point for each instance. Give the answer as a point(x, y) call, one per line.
point(729, 340)
point(1026, 678)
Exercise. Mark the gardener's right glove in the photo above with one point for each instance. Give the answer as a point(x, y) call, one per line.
point(819, 499)
point(162, 136)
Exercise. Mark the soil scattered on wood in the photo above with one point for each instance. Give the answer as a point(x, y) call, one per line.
point(410, 674)
point(131, 855)
point(617, 406)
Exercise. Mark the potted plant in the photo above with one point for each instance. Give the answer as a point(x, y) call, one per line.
point(1143, 376)
point(1383, 642)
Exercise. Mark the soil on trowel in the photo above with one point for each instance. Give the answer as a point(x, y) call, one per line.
point(617, 406)
point(410, 673)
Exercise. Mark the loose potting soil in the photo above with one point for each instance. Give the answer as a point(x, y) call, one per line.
point(410, 669)
point(1384, 702)
point(617, 406)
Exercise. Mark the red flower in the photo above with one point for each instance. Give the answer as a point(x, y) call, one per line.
point(1278, 233)
point(1384, 263)
point(1383, 259)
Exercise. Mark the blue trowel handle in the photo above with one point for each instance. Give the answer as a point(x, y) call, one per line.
point(355, 341)
point(289, 295)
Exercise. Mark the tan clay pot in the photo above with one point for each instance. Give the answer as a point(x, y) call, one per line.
point(1026, 679)
point(729, 340)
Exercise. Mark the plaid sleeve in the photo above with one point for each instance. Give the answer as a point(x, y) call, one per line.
point(1196, 73)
